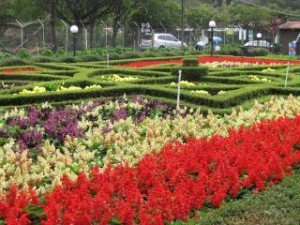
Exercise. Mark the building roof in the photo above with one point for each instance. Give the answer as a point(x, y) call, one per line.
point(290, 25)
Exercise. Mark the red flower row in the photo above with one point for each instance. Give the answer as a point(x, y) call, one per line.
point(139, 64)
point(250, 60)
point(20, 70)
point(169, 185)
point(211, 59)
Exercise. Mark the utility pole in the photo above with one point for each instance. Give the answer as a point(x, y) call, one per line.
point(182, 22)
point(53, 25)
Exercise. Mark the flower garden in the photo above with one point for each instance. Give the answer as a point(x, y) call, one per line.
point(90, 143)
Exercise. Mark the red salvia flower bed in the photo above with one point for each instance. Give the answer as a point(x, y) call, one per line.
point(20, 70)
point(151, 63)
point(211, 59)
point(167, 186)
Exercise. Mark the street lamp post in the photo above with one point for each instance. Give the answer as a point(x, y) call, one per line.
point(212, 25)
point(74, 31)
point(182, 22)
point(259, 36)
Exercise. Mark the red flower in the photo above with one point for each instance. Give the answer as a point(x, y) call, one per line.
point(168, 185)
point(20, 70)
point(211, 59)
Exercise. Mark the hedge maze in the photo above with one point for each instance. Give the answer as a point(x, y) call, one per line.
point(217, 89)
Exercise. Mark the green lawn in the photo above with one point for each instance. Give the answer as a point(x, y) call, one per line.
point(278, 205)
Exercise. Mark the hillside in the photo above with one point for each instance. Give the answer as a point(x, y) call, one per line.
point(288, 6)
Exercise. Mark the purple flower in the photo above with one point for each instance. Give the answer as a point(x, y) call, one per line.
point(22, 123)
point(33, 116)
point(119, 114)
point(141, 117)
point(3, 134)
point(106, 129)
point(29, 139)
point(61, 123)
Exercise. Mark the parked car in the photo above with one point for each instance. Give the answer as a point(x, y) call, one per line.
point(160, 40)
point(259, 43)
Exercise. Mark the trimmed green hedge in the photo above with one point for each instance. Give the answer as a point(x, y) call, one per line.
point(31, 77)
point(191, 73)
point(233, 99)
point(13, 62)
point(68, 73)
point(190, 62)
point(54, 66)
point(126, 72)
point(229, 80)
point(154, 83)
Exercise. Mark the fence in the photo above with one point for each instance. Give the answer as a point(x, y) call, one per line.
point(34, 36)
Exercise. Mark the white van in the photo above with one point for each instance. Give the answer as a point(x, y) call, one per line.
point(160, 40)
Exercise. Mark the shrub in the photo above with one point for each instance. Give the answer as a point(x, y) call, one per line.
point(130, 55)
point(191, 73)
point(47, 53)
point(68, 59)
point(260, 52)
point(43, 59)
point(254, 51)
point(112, 56)
point(13, 62)
point(233, 49)
point(89, 58)
point(277, 48)
point(190, 62)
point(150, 54)
point(168, 53)
point(24, 55)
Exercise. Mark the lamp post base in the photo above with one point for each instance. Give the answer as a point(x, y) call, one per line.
point(212, 42)
point(74, 45)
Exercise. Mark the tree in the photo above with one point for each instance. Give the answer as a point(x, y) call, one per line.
point(25, 10)
point(6, 15)
point(122, 10)
point(157, 13)
point(53, 25)
point(82, 13)
point(249, 16)
point(200, 16)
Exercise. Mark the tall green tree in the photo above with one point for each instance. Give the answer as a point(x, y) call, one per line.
point(26, 10)
point(249, 16)
point(200, 16)
point(6, 15)
point(158, 13)
point(82, 13)
point(122, 10)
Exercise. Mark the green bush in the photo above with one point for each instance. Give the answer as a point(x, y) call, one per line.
point(277, 48)
point(47, 53)
point(89, 58)
point(43, 59)
point(255, 51)
point(130, 55)
point(112, 56)
point(168, 53)
point(24, 55)
point(190, 62)
point(13, 62)
point(68, 59)
point(191, 73)
point(233, 49)
point(149, 54)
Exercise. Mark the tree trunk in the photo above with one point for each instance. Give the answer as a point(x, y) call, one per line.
point(114, 35)
point(53, 26)
point(92, 26)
